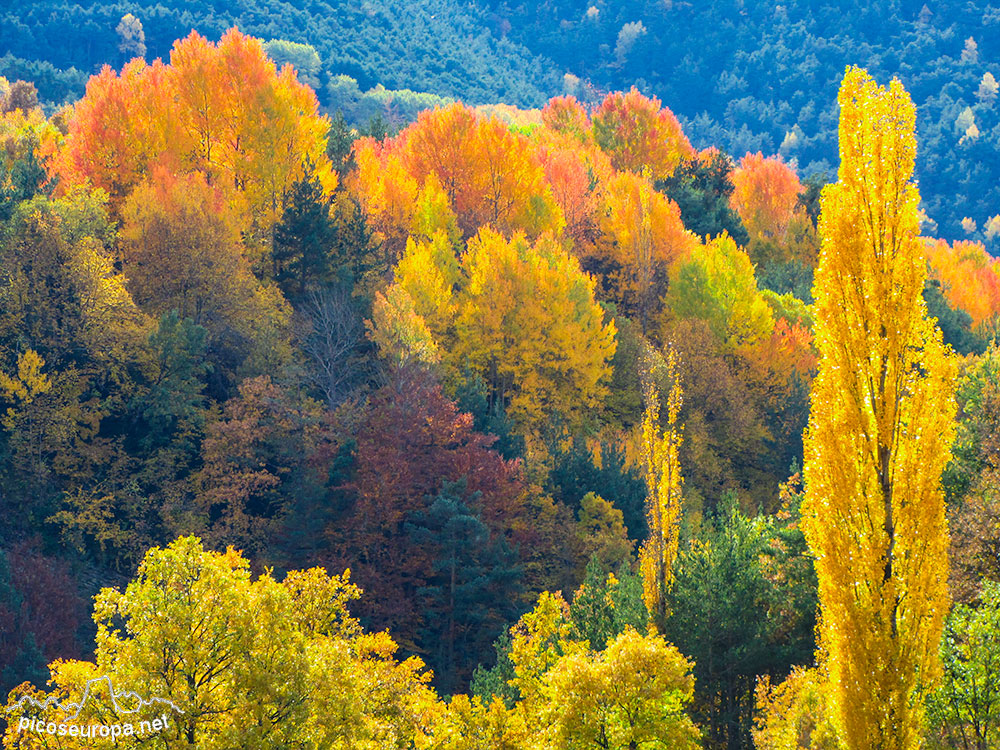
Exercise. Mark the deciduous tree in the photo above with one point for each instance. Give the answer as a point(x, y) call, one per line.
point(639, 133)
point(880, 431)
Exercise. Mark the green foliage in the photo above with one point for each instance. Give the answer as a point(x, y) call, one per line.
point(701, 189)
point(718, 286)
point(362, 40)
point(303, 57)
point(21, 178)
point(976, 452)
point(54, 84)
point(965, 710)
point(787, 277)
point(498, 679)
point(575, 473)
point(387, 109)
point(304, 240)
point(474, 587)
point(606, 604)
point(174, 405)
point(20, 656)
point(472, 396)
point(731, 614)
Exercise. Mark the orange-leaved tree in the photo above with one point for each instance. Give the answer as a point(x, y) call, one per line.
point(637, 133)
point(221, 109)
point(969, 276)
point(765, 194)
point(641, 237)
point(880, 431)
point(490, 174)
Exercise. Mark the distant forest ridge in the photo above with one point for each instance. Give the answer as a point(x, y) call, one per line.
point(742, 76)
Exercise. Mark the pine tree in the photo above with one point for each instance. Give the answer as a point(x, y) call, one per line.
point(880, 430)
point(303, 239)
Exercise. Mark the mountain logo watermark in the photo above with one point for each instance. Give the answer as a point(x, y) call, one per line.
point(125, 703)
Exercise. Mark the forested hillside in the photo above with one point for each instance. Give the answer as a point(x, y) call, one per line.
point(741, 76)
point(530, 428)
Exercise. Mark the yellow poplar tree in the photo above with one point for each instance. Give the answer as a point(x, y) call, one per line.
point(662, 469)
point(880, 430)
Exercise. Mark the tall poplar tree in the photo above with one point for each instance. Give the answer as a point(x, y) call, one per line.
point(662, 469)
point(880, 430)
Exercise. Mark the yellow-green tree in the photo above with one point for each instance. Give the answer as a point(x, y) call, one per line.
point(880, 430)
point(631, 695)
point(244, 662)
point(717, 284)
point(662, 469)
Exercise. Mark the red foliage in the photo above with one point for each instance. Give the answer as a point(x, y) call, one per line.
point(50, 609)
point(414, 438)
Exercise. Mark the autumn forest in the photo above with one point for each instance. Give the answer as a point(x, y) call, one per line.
point(487, 426)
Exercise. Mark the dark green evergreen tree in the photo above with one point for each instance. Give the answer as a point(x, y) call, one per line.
point(730, 615)
point(474, 587)
point(174, 405)
point(340, 144)
point(701, 190)
point(575, 474)
point(303, 240)
point(605, 605)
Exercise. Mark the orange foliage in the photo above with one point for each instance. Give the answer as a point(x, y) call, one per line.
point(765, 196)
point(969, 276)
point(387, 192)
point(112, 139)
point(565, 115)
point(639, 222)
point(641, 235)
point(490, 175)
point(637, 133)
point(788, 349)
point(220, 109)
point(574, 172)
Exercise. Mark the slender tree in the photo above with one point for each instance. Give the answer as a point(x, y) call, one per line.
point(662, 469)
point(880, 430)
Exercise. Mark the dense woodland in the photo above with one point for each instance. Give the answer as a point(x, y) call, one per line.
point(473, 400)
point(744, 77)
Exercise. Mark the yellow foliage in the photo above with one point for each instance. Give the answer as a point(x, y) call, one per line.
point(387, 192)
point(473, 725)
point(631, 695)
point(529, 324)
point(29, 382)
point(429, 272)
point(660, 462)
point(601, 531)
point(717, 284)
point(643, 235)
point(796, 714)
point(880, 431)
point(399, 330)
point(538, 641)
point(246, 662)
